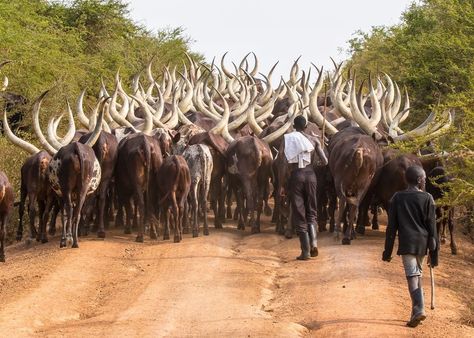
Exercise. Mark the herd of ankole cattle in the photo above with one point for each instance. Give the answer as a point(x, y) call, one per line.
point(163, 150)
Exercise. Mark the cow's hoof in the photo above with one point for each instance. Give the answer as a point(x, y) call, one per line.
point(186, 231)
point(218, 224)
point(346, 241)
point(195, 233)
point(206, 232)
point(38, 238)
point(176, 239)
point(62, 243)
point(166, 237)
point(127, 231)
point(153, 235)
point(375, 227)
point(19, 237)
point(255, 230)
point(2, 258)
point(75, 245)
point(101, 234)
point(52, 231)
point(44, 240)
point(360, 230)
point(454, 250)
point(139, 239)
point(288, 234)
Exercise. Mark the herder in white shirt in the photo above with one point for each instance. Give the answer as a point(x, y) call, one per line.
point(302, 185)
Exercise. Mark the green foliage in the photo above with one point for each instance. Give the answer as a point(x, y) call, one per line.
point(67, 46)
point(431, 52)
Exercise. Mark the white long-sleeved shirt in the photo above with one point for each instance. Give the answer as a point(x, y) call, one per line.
point(298, 149)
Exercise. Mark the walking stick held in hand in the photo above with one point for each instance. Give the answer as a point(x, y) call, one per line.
point(432, 288)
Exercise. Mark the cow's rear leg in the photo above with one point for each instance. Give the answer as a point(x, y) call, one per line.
point(3, 223)
point(175, 218)
point(33, 234)
point(194, 208)
point(21, 212)
point(166, 222)
point(101, 214)
point(56, 208)
point(42, 210)
point(128, 216)
point(349, 234)
point(76, 218)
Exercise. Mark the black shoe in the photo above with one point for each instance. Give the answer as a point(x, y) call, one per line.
point(313, 242)
point(304, 242)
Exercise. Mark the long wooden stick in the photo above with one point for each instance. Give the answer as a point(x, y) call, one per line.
point(432, 288)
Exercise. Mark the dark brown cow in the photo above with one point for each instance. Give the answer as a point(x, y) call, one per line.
point(354, 160)
point(174, 182)
point(391, 180)
point(139, 159)
point(105, 150)
point(34, 186)
point(249, 162)
point(6, 205)
point(436, 186)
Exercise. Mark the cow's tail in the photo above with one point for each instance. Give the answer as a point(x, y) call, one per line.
point(82, 165)
point(147, 153)
point(358, 158)
point(2, 192)
point(174, 180)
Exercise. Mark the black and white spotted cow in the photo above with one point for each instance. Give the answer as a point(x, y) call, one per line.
point(199, 160)
point(74, 172)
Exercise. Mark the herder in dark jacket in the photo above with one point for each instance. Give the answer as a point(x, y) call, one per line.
point(412, 215)
point(298, 152)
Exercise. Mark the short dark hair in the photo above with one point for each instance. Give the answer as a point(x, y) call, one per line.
point(413, 173)
point(299, 122)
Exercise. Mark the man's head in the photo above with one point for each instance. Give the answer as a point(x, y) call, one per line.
point(415, 176)
point(299, 123)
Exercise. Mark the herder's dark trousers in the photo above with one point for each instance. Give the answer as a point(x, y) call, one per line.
point(303, 198)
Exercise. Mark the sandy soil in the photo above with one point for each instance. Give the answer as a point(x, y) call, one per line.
point(230, 283)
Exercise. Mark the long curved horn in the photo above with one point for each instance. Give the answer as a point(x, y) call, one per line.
point(226, 72)
point(98, 126)
point(80, 111)
point(221, 127)
point(283, 129)
point(36, 108)
point(314, 109)
point(15, 139)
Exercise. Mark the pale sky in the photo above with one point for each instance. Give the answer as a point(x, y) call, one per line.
point(275, 30)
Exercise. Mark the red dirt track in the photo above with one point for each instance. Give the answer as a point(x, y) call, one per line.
point(230, 283)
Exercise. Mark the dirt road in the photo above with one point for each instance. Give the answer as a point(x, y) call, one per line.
point(227, 284)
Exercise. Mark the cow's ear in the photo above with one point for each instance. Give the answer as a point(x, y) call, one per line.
point(176, 137)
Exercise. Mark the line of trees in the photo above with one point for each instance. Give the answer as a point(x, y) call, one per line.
point(68, 46)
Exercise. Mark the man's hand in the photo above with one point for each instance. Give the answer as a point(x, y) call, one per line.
point(433, 258)
point(386, 257)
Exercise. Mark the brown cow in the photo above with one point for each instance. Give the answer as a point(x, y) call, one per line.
point(138, 161)
point(174, 182)
point(354, 160)
point(6, 205)
point(391, 180)
point(249, 163)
